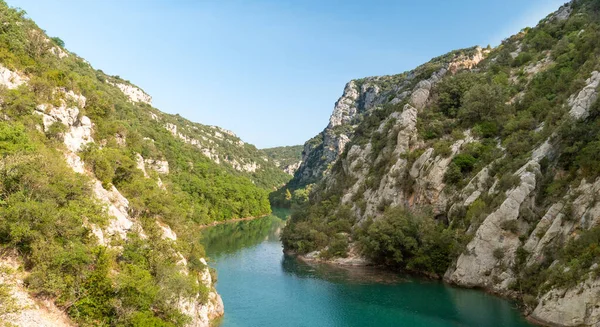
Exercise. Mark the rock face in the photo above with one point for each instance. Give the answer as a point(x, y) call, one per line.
point(478, 266)
point(581, 103)
point(30, 312)
point(467, 62)
point(359, 98)
point(79, 129)
point(291, 169)
point(512, 225)
point(202, 315)
point(577, 306)
point(134, 94)
point(160, 166)
point(10, 79)
point(345, 107)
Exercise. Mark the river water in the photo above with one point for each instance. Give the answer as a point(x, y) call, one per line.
point(262, 287)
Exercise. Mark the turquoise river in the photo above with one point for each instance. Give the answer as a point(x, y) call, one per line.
point(262, 287)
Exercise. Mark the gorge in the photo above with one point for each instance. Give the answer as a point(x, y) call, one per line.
point(462, 192)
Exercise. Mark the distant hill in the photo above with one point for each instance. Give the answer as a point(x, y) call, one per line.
point(287, 158)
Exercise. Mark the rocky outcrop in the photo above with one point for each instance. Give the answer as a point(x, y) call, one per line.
point(576, 306)
point(203, 314)
point(466, 62)
point(345, 107)
point(160, 166)
point(10, 79)
point(581, 103)
point(117, 207)
point(359, 98)
point(291, 169)
point(420, 93)
point(26, 311)
point(59, 52)
point(563, 12)
point(134, 93)
point(79, 128)
point(480, 264)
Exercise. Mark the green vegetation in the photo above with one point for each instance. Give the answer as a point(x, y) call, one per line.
point(409, 241)
point(48, 212)
point(514, 100)
point(229, 149)
point(8, 304)
point(225, 237)
point(285, 155)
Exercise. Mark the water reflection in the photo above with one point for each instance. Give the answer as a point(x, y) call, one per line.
point(395, 296)
point(230, 238)
point(261, 286)
point(338, 274)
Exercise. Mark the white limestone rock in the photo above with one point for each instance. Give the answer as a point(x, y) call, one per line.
point(79, 129)
point(563, 12)
point(345, 108)
point(160, 166)
point(466, 62)
point(576, 306)
point(32, 312)
point(10, 79)
point(580, 104)
point(167, 232)
point(134, 93)
point(140, 164)
point(550, 228)
point(202, 314)
point(117, 208)
point(75, 162)
point(59, 52)
point(291, 169)
point(420, 93)
point(476, 266)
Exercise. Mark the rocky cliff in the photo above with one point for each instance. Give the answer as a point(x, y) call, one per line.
point(360, 97)
point(480, 167)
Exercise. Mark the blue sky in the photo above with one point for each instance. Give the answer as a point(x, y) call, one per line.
point(270, 70)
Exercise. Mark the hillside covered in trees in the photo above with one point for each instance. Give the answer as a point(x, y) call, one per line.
point(481, 167)
point(102, 195)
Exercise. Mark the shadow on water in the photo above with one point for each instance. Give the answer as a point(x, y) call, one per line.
point(339, 274)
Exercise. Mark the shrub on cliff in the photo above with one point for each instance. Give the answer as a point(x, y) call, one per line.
point(410, 241)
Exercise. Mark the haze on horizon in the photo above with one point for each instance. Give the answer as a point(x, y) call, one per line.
point(270, 71)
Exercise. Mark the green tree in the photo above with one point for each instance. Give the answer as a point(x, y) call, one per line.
point(483, 103)
point(288, 195)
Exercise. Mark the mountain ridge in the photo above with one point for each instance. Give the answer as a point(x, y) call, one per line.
point(482, 174)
